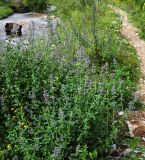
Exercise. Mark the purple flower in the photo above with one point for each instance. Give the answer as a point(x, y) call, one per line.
point(46, 96)
point(57, 151)
point(113, 90)
point(87, 62)
point(131, 105)
point(61, 114)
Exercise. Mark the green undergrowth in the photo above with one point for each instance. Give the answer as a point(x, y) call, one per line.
point(5, 10)
point(102, 27)
point(60, 95)
point(136, 10)
point(54, 108)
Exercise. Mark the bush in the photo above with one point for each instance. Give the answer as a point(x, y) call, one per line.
point(37, 5)
point(56, 109)
point(56, 106)
point(5, 12)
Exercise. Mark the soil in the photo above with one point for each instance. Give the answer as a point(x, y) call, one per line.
point(136, 125)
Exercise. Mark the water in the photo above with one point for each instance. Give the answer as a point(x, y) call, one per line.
point(32, 24)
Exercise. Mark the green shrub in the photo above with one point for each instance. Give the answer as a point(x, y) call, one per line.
point(5, 12)
point(37, 5)
point(102, 39)
point(59, 108)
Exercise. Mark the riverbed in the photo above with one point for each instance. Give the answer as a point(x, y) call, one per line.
point(33, 24)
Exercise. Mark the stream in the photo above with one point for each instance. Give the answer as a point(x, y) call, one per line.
point(33, 24)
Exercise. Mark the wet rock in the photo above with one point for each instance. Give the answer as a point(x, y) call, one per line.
point(13, 29)
point(127, 151)
point(51, 9)
point(119, 151)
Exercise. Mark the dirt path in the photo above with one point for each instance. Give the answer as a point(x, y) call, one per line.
point(136, 119)
point(132, 34)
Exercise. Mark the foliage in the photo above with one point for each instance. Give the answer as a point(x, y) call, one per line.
point(67, 7)
point(136, 149)
point(59, 108)
point(37, 5)
point(102, 39)
point(59, 96)
point(25, 5)
point(5, 10)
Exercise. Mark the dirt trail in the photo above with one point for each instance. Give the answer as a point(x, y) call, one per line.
point(136, 119)
point(132, 34)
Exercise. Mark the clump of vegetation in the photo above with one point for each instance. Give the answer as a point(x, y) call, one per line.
point(37, 5)
point(55, 106)
point(23, 6)
point(66, 8)
point(5, 10)
point(59, 98)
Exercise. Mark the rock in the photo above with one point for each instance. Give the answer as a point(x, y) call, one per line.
point(13, 29)
point(24, 22)
point(52, 17)
point(127, 151)
point(114, 146)
point(51, 9)
point(121, 113)
point(136, 125)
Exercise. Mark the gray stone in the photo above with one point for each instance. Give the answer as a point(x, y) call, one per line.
point(13, 29)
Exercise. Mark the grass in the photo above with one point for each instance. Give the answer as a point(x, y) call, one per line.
point(136, 13)
point(5, 10)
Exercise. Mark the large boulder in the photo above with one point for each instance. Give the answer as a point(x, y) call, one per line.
point(13, 29)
